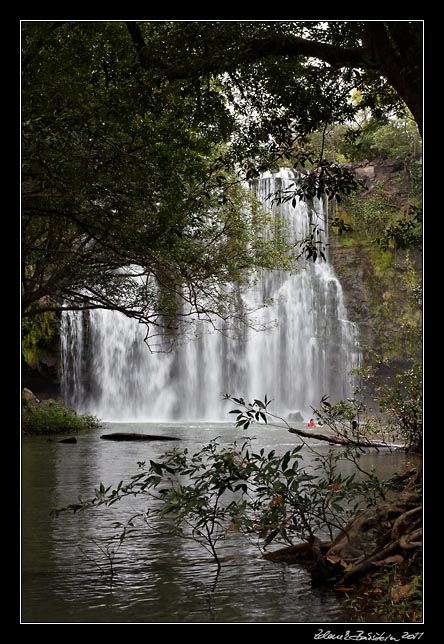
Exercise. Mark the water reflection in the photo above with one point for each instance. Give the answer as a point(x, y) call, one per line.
point(158, 578)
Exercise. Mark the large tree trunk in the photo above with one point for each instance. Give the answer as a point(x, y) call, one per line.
point(396, 47)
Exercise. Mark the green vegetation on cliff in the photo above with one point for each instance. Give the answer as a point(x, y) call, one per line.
point(41, 354)
point(379, 263)
point(38, 336)
point(385, 238)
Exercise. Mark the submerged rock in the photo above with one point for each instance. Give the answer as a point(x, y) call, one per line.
point(126, 436)
point(71, 439)
point(295, 417)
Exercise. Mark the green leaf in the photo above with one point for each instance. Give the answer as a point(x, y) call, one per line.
point(285, 460)
point(156, 467)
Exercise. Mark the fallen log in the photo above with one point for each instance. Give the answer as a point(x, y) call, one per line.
point(128, 436)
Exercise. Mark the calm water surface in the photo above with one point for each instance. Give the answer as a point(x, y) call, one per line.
point(158, 578)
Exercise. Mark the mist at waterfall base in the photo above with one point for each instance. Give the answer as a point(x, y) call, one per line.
point(308, 350)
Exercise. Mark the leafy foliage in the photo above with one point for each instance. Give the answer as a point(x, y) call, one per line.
point(379, 217)
point(220, 490)
point(38, 335)
point(405, 232)
point(121, 207)
point(250, 412)
point(135, 137)
point(381, 138)
point(400, 399)
point(330, 179)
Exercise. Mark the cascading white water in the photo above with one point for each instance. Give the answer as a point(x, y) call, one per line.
point(307, 352)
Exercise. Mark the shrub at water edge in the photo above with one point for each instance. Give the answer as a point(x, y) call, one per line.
point(48, 417)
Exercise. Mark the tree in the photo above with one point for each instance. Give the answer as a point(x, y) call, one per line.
point(136, 136)
point(376, 56)
point(120, 210)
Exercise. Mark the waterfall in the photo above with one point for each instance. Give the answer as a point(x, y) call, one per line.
point(307, 351)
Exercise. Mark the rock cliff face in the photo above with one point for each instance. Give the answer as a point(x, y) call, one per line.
point(372, 280)
point(392, 174)
point(368, 291)
point(355, 272)
point(42, 379)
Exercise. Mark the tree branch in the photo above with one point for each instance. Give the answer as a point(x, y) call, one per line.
point(340, 440)
point(383, 51)
point(297, 46)
point(254, 50)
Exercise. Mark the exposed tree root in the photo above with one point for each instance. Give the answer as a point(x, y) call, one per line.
point(388, 532)
point(296, 552)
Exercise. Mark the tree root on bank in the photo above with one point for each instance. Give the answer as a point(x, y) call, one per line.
point(385, 533)
point(296, 552)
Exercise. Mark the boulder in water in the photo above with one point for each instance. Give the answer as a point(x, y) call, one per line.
point(295, 417)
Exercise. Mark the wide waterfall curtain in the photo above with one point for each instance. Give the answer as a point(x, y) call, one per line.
point(307, 352)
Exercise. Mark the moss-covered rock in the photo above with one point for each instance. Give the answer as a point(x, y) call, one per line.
point(41, 354)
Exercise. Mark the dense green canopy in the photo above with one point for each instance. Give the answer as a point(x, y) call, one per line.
point(136, 137)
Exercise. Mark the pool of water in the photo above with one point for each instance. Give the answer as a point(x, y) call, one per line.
point(157, 577)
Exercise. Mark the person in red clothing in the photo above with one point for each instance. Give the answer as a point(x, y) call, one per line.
point(312, 423)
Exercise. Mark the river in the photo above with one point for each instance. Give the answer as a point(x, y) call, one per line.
point(158, 578)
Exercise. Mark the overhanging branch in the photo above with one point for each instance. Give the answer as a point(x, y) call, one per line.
point(341, 440)
point(254, 50)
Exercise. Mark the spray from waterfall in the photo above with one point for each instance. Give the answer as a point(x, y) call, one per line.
point(308, 350)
